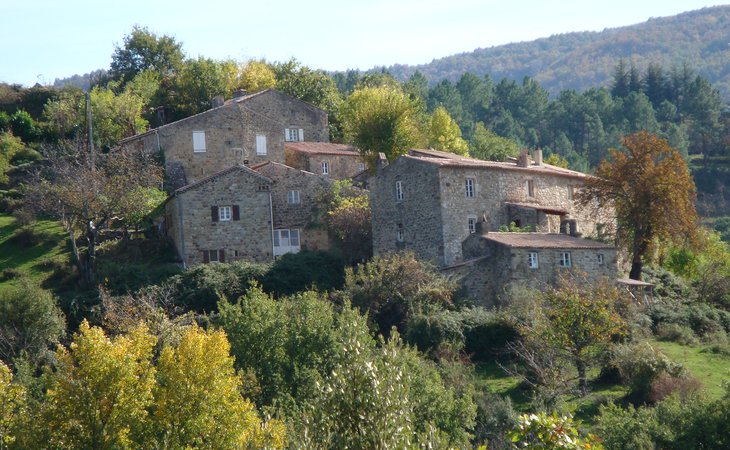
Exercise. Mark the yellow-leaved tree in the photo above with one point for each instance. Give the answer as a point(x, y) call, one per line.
point(12, 404)
point(444, 133)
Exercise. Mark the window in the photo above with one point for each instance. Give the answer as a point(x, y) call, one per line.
point(293, 134)
point(260, 144)
point(469, 184)
point(529, 188)
point(565, 259)
point(325, 168)
point(286, 241)
point(570, 192)
point(224, 213)
point(214, 256)
point(360, 167)
point(293, 197)
point(399, 233)
point(472, 222)
point(198, 141)
point(532, 261)
point(263, 187)
point(399, 191)
point(600, 259)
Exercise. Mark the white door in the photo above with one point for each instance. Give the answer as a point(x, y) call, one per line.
point(286, 241)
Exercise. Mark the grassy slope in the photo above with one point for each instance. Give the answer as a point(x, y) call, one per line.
point(37, 260)
point(710, 368)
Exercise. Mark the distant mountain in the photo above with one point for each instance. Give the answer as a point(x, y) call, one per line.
point(582, 60)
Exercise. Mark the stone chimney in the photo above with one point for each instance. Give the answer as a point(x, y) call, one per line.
point(239, 93)
point(524, 159)
point(381, 163)
point(538, 156)
point(217, 101)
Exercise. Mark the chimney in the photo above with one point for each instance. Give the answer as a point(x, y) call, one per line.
point(524, 159)
point(239, 93)
point(482, 226)
point(538, 156)
point(217, 101)
point(381, 163)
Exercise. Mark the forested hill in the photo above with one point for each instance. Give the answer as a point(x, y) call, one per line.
point(583, 60)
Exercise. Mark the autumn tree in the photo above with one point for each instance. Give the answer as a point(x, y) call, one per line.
point(89, 193)
point(649, 185)
point(381, 120)
point(12, 406)
point(444, 134)
point(256, 76)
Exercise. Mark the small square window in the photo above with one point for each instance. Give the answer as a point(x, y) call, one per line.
point(213, 256)
point(399, 191)
point(600, 259)
point(532, 260)
point(224, 213)
point(325, 168)
point(472, 223)
point(360, 167)
point(469, 185)
point(565, 259)
point(292, 197)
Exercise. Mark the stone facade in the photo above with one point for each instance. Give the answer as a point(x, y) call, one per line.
point(341, 161)
point(245, 130)
point(497, 261)
point(224, 217)
point(444, 195)
point(293, 195)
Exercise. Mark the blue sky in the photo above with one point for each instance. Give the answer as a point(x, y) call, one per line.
point(41, 40)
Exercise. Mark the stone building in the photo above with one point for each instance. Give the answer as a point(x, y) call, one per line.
point(222, 218)
point(244, 130)
point(430, 201)
point(495, 261)
point(338, 161)
point(294, 210)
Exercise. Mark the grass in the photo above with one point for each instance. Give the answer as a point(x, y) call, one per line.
point(35, 251)
point(710, 368)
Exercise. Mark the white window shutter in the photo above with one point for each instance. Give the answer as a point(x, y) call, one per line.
point(301, 135)
point(260, 144)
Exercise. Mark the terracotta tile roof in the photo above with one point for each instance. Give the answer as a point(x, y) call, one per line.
point(322, 148)
point(217, 175)
point(445, 159)
point(543, 240)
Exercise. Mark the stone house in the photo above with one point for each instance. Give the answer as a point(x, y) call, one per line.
point(495, 261)
point(296, 219)
point(338, 161)
point(247, 129)
point(428, 202)
point(221, 218)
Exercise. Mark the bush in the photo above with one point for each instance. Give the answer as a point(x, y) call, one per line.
point(10, 273)
point(640, 365)
point(675, 332)
point(296, 272)
point(668, 286)
point(495, 417)
point(702, 318)
point(665, 385)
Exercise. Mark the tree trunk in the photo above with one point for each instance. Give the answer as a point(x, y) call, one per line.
point(582, 377)
point(636, 266)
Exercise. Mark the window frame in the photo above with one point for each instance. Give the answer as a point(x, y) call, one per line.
point(225, 213)
point(261, 149)
point(293, 134)
point(399, 191)
point(471, 224)
point(470, 187)
point(198, 134)
point(530, 188)
point(566, 260)
point(293, 197)
point(400, 234)
point(361, 167)
point(533, 260)
point(325, 167)
point(601, 259)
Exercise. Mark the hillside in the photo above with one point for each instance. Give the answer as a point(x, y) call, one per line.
point(583, 60)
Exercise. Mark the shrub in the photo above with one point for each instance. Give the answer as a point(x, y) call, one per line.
point(675, 332)
point(640, 364)
point(10, 273)
point(296, 272)
point(495, 417)
point(664, 385)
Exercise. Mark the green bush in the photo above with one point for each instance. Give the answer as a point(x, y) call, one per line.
point(297, 272)
point(702, 318)
point(668, 286)
point(639, 365)
point(675, 332)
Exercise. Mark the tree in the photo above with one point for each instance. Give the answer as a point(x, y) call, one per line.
point(198, 402)
point(643, 182)
point(99, 394)
point(9, 147)
point(444, 134)
point(88, 193)
point(257, 76)
point(346, 211)
point(485, 144)
point(12, 406)
point(381, 120)
point(30, 322)
point(198, 81)
point(144, 50)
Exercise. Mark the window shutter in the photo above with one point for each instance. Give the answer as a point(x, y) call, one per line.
point(214, 213)
point(301, 134)
point(206, 259)
point(222, 256)
point(236, 213)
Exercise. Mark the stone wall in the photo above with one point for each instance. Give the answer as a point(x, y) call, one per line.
point(194, 231)
point(304, 215)
point(419, 213)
